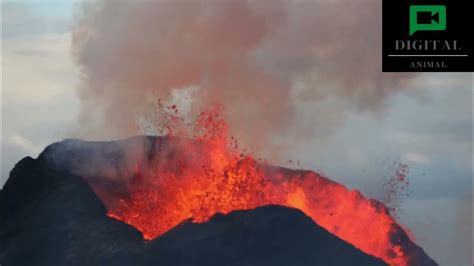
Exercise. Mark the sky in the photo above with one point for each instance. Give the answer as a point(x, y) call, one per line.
point(427, 127)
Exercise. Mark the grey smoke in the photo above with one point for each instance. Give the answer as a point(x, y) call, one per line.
point(282, 69)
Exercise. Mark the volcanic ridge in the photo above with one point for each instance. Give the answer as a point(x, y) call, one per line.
point(172, 201)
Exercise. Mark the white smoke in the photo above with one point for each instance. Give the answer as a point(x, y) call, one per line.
point(282, 69)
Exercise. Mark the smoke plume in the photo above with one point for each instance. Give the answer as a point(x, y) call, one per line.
point(279, 68)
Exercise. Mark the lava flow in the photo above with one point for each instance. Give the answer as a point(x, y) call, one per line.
point(195, 178)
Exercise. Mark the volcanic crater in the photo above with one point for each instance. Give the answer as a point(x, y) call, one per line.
point(174, 201)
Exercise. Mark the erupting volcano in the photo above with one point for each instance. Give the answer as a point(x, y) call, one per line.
point(184, 178)
point(187, 196)
point(197, 200)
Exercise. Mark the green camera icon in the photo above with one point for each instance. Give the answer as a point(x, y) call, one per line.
point(427, 18)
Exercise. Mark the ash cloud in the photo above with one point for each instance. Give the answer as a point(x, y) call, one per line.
point(269, 63)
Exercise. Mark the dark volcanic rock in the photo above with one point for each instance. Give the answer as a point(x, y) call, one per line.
point(269, 235)
point(51, 218)
point(49, 215)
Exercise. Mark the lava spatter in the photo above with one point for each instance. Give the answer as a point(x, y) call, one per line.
point(195, 178)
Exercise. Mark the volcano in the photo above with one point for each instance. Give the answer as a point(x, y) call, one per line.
point(173, 201)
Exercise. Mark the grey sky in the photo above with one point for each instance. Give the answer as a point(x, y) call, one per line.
point(428, 127)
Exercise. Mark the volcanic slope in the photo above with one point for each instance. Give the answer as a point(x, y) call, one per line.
point(49, 215)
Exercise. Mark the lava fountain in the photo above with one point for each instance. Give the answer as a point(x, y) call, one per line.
point(195, 178)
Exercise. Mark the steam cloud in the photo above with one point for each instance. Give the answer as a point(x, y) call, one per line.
point(266, 62)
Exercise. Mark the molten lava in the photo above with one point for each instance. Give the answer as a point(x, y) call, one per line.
point(199, 177)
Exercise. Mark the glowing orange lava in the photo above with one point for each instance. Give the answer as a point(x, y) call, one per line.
point(197, 178)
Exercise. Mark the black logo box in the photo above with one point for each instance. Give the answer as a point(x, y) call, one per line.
point(459, 28)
